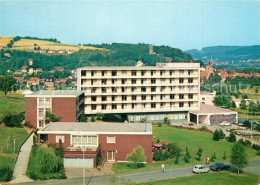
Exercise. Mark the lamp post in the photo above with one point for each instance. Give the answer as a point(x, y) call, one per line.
point(83, 166)
point(14, 147)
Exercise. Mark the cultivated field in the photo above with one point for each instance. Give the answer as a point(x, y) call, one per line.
point(29, 44)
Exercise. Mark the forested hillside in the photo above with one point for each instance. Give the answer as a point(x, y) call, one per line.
point(116, 55)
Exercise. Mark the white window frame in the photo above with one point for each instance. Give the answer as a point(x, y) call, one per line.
point(79, 138)
point(59, 137)
point(111, 141)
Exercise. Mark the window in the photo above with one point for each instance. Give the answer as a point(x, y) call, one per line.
point(181, 87)
point(143, 89)
point(143, 97)
point(41, 113)
point(162, 105)
point(190, 87)
point(93, 89)
point(133, 73)
point(133, 97)
point(114, 106)
point(181, 80)
point(172, 104)
point(124, 81)
point(123, 89)
point(172, 96)
point(93, 107)
point(41, 123)
point(181, 104)
point(124, 72)
point(163, 80)
point(190, 96)
point(133, 81)
point(162, 88)
point(190, 104)
point(104, 73)
point(181, 71)
point(41, 102)
point(93, 73)
point(172, 72)
point(104, 107)
point(134, 89)
point(190, 72)
point(104, 98)
point(172, 88)
point(93, 98)
point(153, 105)
point(84, 140)
point(114, 73)
point(114, 81)
point(153, 73)
point(143, 73)
point(153, 81)
point(162, 72)
point(134, 105)
point(190, 80)
point(143, 81)
point(143, 105)
point(181, 96)
point(124, 98)
point(114, 89)
point(104, 82)
point(47, 102)
point(93, 82)
point(113, 98)
point(162, 96)
point(123, 105)
point(104, 89)
point(172, 80)
point(58, 138)
point(153, 89)
point(153, 97)
point(111, 139)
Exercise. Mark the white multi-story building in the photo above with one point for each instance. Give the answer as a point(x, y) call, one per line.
point(142, 92)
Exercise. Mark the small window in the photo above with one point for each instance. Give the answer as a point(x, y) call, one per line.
point(58, 138)
point(111, 139)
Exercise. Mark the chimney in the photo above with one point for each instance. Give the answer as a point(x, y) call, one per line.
point(191, 61)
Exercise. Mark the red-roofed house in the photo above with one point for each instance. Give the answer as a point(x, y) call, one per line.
point(33, 81)
point(223, 73)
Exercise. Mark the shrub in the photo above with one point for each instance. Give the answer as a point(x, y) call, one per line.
point(166, 120)
point(58, 150)
point(49, 162)
point(232, 137)
point(203, 128)
point(92, 119)
point(248, 143)
point(187, 156)
point(173, 150)
point(13, 119)
point(159, 124)
point(5, 174)
point(213, 157)
point(224, 156)
point(199, 154)
point(216, 135)
point(100, 116)
point(34, 141)
point(241, 141)
point(32, 175)
point(137, 157)
point(158, 140)
point(177, 158)
point(157, 155)
point(221, 134)
point(165, 155)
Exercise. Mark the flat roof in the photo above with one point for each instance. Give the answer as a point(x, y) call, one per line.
point(173, 65)
point(97, 128)
point(210, 109)
point(55, 93)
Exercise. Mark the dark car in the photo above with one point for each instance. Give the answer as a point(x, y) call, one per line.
point(219, 166)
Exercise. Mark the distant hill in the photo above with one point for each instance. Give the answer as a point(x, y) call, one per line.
point(226, 53)
point(30, 44)
point(116, 54)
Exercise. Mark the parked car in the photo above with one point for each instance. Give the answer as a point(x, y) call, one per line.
point(219, 166)
point(200, 169)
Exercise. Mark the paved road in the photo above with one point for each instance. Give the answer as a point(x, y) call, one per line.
point(22, 162)
point(143, 176)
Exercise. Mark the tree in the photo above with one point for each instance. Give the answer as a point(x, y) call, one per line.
point(13, 119)
point(232, 137)
point(238, 156)
point(221, 134)
point(245, 96)
point(199, 154)
point(166, 120)
point(216, 135)
point(243, 105)
point(50, 117)
point(93, 119)
point(256, 90)
point(7, 84)
point(223, 101)
point(137, 157)
point(6, 173)
point(234, 104)
point(187, 156)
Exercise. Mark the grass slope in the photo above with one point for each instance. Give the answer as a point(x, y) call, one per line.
point(190, 138)
point(251, 93)
point(223, 178)
point(7, 148)
point(13, 102)
point(5, 40)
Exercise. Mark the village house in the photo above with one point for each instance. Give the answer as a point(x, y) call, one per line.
point(50, 82)
point(30, 61)
point(70, 51)
point(31, 71)
point(59, 68)
point(43, 51)
point(24, 69)
point(38, 70)
point(33, 81)
point(223, 73)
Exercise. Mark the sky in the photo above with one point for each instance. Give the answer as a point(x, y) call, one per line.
point(184, 24)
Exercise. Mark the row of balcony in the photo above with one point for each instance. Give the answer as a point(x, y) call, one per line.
point(128, 84)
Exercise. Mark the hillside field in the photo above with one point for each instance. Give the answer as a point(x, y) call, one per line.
point(28, 45)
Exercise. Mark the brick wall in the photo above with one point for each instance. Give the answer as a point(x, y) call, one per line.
point(52, 139)
point(31, 111)
point(125, 144)
point(66, 108)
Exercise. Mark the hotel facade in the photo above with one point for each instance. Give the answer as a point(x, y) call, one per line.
point(140, 92)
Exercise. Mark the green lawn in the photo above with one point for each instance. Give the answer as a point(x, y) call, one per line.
point(219, 178)
point(190, 138)
point(243, 114)
point(7, 134)
point(251, 92)
point(13, 102)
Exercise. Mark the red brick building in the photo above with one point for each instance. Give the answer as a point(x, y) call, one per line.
point(112, 141)
point(68, 104)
